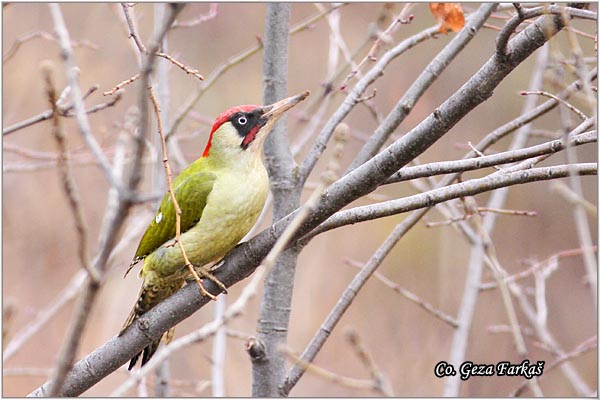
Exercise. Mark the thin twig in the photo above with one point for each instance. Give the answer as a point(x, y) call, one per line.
point(571, 107)
point(382, 37)
point(212, 13)
point(350, 293)
point(63, 111)
point(582, 348)
point(426, 78)
point(44, 35)
point(185, 68)
point(470, 164)
point(352, 383)
point(379, 379)
point(536, 266)
point(350, 101)
point(133, 33)
point(409, 296)
point(481, 210)
point(121, 85)
point(435, 196)
point(528, 13)
point(572, 197)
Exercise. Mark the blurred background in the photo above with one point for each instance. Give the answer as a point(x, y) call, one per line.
point(39, 241)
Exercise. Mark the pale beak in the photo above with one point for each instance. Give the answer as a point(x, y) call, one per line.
point(274, 111)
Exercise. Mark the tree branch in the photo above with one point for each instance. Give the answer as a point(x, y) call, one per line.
point(505, 157)
point(436, 196)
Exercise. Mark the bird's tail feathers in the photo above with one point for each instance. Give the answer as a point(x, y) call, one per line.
point(149, 296)
point(135, 311)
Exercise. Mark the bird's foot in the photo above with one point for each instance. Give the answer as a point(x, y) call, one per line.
point(197, 272)
point(209, 275)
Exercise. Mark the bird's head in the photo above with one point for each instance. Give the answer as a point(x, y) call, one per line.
point(245, 128)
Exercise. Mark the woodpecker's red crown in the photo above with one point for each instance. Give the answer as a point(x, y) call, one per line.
point(224, 117)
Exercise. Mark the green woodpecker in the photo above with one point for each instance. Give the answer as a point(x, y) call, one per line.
point(220, 195)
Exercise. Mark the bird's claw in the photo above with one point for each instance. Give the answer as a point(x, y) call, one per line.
point(197, 272)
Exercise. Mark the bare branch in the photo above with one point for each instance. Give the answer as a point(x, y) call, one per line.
point(571, 107)
point(328, 375)
point(582, 348)
point(133, 33)
point(489, 250)
point(379, 379)
point(410, 296)
point(273, 320)
point(121, 85)
point(345, 300)
point(382, 37)
point(528, 13)
point(185, 68)
point(63, 111)
point(212, 13)
point(536, 266)
point(470, 164)
point(433, 197)
point(44, 35)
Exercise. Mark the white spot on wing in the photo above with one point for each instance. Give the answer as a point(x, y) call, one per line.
point(158, 218)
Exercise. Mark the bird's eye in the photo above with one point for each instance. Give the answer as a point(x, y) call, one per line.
point(242, 120)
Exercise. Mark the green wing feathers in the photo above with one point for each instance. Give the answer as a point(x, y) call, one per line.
point(191, 190)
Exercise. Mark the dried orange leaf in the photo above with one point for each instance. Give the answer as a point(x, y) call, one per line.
point(449, 15)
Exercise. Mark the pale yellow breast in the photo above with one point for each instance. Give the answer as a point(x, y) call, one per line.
point(233, 206)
